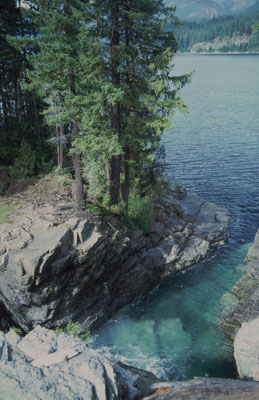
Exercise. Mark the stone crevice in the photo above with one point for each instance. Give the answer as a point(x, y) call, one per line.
point(71, 270)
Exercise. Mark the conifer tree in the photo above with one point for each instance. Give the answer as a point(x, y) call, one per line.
point(19, 111)
point(138, 54)
point(56, 72)
point(105, 68)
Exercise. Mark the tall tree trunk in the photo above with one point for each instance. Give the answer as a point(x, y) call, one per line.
point(8, 109)
point(36, 124)
point(114, 163)
point(59, 135)
point(4, 107)
point(125, 186)
point(75, 128)
point(77, 168)
point(30, 127)
point(16, 102)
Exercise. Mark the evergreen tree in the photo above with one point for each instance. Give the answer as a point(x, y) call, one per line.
point(20, 110)
point(56, 73)
point(137, 52)
point(105, 70)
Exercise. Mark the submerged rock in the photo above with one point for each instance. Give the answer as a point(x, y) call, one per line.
point(56, 267)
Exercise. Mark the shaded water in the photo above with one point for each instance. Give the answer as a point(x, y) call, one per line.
point(213, 151)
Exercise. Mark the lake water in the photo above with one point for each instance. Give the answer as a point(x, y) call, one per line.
point(213, 151)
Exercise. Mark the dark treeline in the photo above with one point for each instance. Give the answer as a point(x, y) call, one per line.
point(20, 116)
point(222, 27)
point(87, 86)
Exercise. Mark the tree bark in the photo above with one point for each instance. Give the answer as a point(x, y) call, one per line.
point(77, 168)
point(4, 107)
point(125, 186)
point(16, 102)
point(114, 163)
point(203, 389)
point(59, 134)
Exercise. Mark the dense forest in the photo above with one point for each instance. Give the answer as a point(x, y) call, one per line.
point(87, 86)
point(234, 33)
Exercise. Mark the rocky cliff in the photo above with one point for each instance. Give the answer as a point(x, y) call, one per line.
point(241, 321)
point(56, 266)
point(47, 366)
point(245, 294)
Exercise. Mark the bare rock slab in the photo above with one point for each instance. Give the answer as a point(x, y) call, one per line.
point(246, 350)
point(76, 372)
point(245, 308)
point(54, 269)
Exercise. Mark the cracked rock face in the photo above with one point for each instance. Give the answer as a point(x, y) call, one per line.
point(75, 371)
point(246, 291)
point(241, 321)
point(55, 268)
point(86, 375)
point(203, 389)
point(246, 350)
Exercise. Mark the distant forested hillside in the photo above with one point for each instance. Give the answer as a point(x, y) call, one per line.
point(199, 9)
point(223, 34)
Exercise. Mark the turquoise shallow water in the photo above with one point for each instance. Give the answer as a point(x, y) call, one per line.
point(174, 330)
point(214, 151)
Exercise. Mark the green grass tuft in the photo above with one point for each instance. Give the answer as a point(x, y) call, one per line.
point(5, 211)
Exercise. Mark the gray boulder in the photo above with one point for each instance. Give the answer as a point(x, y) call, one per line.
point(56, 267)
point(245, 307)
point(87, 376)
point(203, 389)
point(246, 350)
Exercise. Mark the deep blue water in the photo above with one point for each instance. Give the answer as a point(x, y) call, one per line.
point(214, 151)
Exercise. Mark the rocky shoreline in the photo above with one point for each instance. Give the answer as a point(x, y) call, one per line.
point(240, 321)
point(244, 295)
point(44, 365)
point(56, 266)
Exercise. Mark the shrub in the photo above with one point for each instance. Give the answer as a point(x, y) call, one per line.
point(24, 164)
point(5, 211)
point(140, 212)
point(75, 329)
point(17, 330)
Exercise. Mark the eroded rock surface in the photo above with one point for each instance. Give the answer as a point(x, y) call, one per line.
point(56, 267)
point(246, 350)
point(89, 376)
point(245, 308)
point(203, 389)
point(241, 322)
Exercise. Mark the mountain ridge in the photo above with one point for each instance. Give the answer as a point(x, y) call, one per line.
point(230, 33)
point(199, 9)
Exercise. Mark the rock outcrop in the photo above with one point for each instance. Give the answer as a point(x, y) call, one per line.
point(203, 389)
point(245, 306)
point(78, 372)
point(56, 267)
point(246, 350)
point(87, 375)
point(241, 322)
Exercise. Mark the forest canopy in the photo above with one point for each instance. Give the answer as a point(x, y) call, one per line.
point(88, 86)
point(224, 27)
